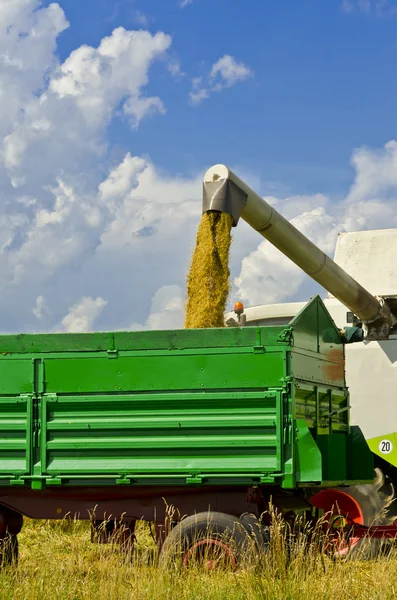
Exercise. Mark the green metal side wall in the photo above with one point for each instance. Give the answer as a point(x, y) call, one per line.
point(216, 436)
point(246, 406)
point(321, 399)
point(193, 415)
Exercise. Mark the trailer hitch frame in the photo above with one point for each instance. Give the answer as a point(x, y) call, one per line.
point(351, 529)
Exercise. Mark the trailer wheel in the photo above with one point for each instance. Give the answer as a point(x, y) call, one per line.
point(257, 531)
point(210, 540)
point(364, 504)
point(9, 550)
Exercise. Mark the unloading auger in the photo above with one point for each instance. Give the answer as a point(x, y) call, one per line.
point(223, 191)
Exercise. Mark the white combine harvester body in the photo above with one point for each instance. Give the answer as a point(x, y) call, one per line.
point(371, 365)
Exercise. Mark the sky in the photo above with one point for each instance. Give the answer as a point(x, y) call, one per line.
point(111, 111)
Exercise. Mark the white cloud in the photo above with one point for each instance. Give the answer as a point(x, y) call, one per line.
point(40, 309)
point(228, 71)
point(122, 178)
point(53, 153)
point(174, 67)
point(81, 97)
point(378, 7)
point(81, 316)
point(138, 108)
point(28, 35)
point(198, 94)
point(376, 172)
point(78, 226)
point(98, 79)
point(267, 276)
point(166, 309)
point(184, 3)
point(224, 73)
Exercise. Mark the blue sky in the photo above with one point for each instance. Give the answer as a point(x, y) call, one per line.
point(112, 110)
point(324, 84)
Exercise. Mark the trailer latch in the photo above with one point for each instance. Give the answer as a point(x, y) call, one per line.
point(194, 479)
point(266, 479)
point(17, 481)
point(123, 480)
point(259, 349)
point(53, 481)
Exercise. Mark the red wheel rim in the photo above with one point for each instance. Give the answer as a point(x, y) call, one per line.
point(337, 502)
point(207, 547)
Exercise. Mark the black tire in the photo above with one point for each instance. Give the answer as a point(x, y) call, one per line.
point(9, 550)
point(212, 527)
point(257, 531)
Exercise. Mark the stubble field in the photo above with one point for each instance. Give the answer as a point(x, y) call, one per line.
point(58, 562)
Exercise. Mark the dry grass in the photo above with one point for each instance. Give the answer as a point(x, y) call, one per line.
point(58, 561)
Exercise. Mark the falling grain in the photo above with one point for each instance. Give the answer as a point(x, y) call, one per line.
point(208, 278)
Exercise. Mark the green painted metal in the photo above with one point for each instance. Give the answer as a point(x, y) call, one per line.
point(360, 464)
point(385, 446)
point(191, 407)
point(308, 456)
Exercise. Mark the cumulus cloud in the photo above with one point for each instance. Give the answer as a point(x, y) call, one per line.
point(224, 73)
point(267, 276)
point(81, 97)
point(166, 310)
point(81, 316)
point(121, 179)
point(56, 202)
point(40, 309)
point(376, 173)
point(228, 72)
point(88, 241)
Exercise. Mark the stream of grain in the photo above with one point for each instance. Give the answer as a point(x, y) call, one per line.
point(208, 278)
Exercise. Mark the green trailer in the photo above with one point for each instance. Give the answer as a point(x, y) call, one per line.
point(111, 425)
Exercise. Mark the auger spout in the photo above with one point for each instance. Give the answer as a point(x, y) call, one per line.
point(223, 191)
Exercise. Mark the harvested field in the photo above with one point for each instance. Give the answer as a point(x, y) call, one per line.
point(58, 562)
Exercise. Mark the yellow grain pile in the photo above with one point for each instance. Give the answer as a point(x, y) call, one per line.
point(208, 278)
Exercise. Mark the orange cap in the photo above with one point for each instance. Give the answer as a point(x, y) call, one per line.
point(238, 308)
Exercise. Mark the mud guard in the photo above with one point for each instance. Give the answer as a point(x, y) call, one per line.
point(308, 456)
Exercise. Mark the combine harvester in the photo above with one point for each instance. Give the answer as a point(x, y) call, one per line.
point(218, 422)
